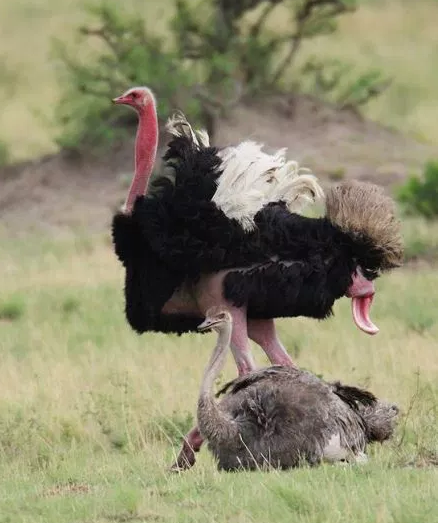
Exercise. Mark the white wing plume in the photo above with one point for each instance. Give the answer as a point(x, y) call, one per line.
point(251, 178)
point(177, 125)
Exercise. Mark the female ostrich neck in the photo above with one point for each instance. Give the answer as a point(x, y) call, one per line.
point(145, 152)
point(214, 424)
point(217, 360)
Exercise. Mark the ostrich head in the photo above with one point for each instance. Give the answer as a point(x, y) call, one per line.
point(372, 234)
point(137, 97)
point(215, 319)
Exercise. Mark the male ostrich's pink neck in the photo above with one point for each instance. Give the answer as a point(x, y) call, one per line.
point(145, 152)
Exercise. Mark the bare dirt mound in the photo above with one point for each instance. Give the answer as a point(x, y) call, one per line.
point(333, 143)
point(59, 192)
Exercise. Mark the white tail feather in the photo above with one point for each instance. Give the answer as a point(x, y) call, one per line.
point(252, 178)
point(177, 125)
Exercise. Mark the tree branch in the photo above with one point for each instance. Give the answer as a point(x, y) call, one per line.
point(217, 103)
point(302, 18)
point(257, 26)
point(104, 35)
point(373, 91)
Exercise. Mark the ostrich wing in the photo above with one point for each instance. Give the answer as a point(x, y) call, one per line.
point(148, 282)
point(184, 226)
point(353, 395)
point(256, 376)
point(251, 178)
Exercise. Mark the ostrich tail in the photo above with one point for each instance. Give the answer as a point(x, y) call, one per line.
point(354, 396)
point(363, 211)
point(297, 187)
point(243, 210)
point(178, 126)
point(252, 179)
point(380, 420)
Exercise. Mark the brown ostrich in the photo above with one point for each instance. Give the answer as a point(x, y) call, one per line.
point(218, 227)
point(281, 416)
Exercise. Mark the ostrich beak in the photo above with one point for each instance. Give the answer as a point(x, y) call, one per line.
point(119, 100)
point(205, 325)
point(209, 324)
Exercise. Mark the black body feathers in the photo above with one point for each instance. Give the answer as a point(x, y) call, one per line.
point(288, 266)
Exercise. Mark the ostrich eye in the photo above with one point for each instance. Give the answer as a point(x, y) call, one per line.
point(134, 95)
point(371, 274)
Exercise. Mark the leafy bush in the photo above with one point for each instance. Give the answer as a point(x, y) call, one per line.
point(420, 195)
point(129, 57)
point(332, 79)
point(218, 53)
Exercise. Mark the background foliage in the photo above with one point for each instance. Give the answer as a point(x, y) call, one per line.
point(215, 54)
point(419, 195)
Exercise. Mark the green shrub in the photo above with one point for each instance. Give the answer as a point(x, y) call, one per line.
point(337, 173)
point(420, 195)
point(70, 305)
point(130, 56)
point(335, 80)
point(416, 248)
point(12, 309)
point(217, 53)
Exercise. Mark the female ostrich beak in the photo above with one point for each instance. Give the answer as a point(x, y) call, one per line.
point(214, 318)
point(207, 325)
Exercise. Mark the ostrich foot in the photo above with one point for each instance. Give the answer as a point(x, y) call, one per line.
point(186, 458)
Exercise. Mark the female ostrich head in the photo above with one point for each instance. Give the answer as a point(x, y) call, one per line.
point(142, 101)
point(367, 217)
point(216, 319)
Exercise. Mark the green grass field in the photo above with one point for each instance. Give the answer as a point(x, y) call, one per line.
point(91, 414)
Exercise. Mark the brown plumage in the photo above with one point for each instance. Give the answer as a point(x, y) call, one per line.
point(281, 416)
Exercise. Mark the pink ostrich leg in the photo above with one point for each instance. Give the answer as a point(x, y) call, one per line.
point(209, 293)
point(264, 334)
point(239, 342)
